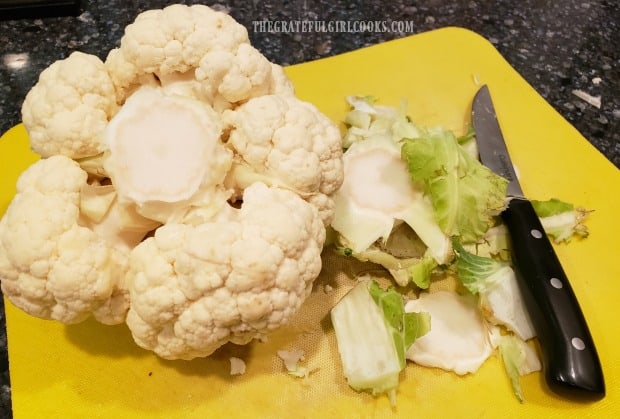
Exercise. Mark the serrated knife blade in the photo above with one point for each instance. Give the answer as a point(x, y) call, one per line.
point(570, 361)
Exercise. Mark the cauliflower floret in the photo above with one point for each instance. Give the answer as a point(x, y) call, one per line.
point(51, 265)
point(228, 77)
point(234, 279)
point(179, 39)
point(281, 85)
point(290, 142)
point(69, 107)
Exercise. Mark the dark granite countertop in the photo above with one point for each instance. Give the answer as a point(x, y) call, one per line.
point(557, 46)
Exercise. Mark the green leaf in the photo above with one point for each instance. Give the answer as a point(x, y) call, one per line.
point(468, 136)
point(404, 270)
point(406, 327)
point(519, 359)
point(466, 195)
point(416, 325)
point(475, 272)
point(551, 207)
point(561, 220)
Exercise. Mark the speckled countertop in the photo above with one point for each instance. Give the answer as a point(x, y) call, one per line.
point(557, 46)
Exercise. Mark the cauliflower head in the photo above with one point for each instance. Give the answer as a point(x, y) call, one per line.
point(183, 188)
point(233, 279)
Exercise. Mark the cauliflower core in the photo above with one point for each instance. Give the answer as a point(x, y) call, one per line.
point(183, 190)
point(162, 167)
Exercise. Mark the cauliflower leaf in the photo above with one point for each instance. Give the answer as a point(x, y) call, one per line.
point(466, 196)
point(561, 220)
point(373, 332)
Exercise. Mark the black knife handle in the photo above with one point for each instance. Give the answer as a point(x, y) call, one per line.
point(570, 360)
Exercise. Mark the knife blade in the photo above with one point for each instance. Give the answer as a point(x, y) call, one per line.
point(570, 361)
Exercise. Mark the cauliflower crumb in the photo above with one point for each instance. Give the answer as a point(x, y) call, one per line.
point(291, 362)
point(237, 366)
point(291, 358)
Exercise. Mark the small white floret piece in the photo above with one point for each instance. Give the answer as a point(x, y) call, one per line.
point(291, 362)
point(458, 340)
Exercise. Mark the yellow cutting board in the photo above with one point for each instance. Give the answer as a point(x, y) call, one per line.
point(94, 371)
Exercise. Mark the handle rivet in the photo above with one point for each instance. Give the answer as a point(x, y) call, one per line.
point(578, 344)
point(556, 283)
point(537, 234)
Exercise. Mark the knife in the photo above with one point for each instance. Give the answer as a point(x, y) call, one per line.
point(570, 361)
